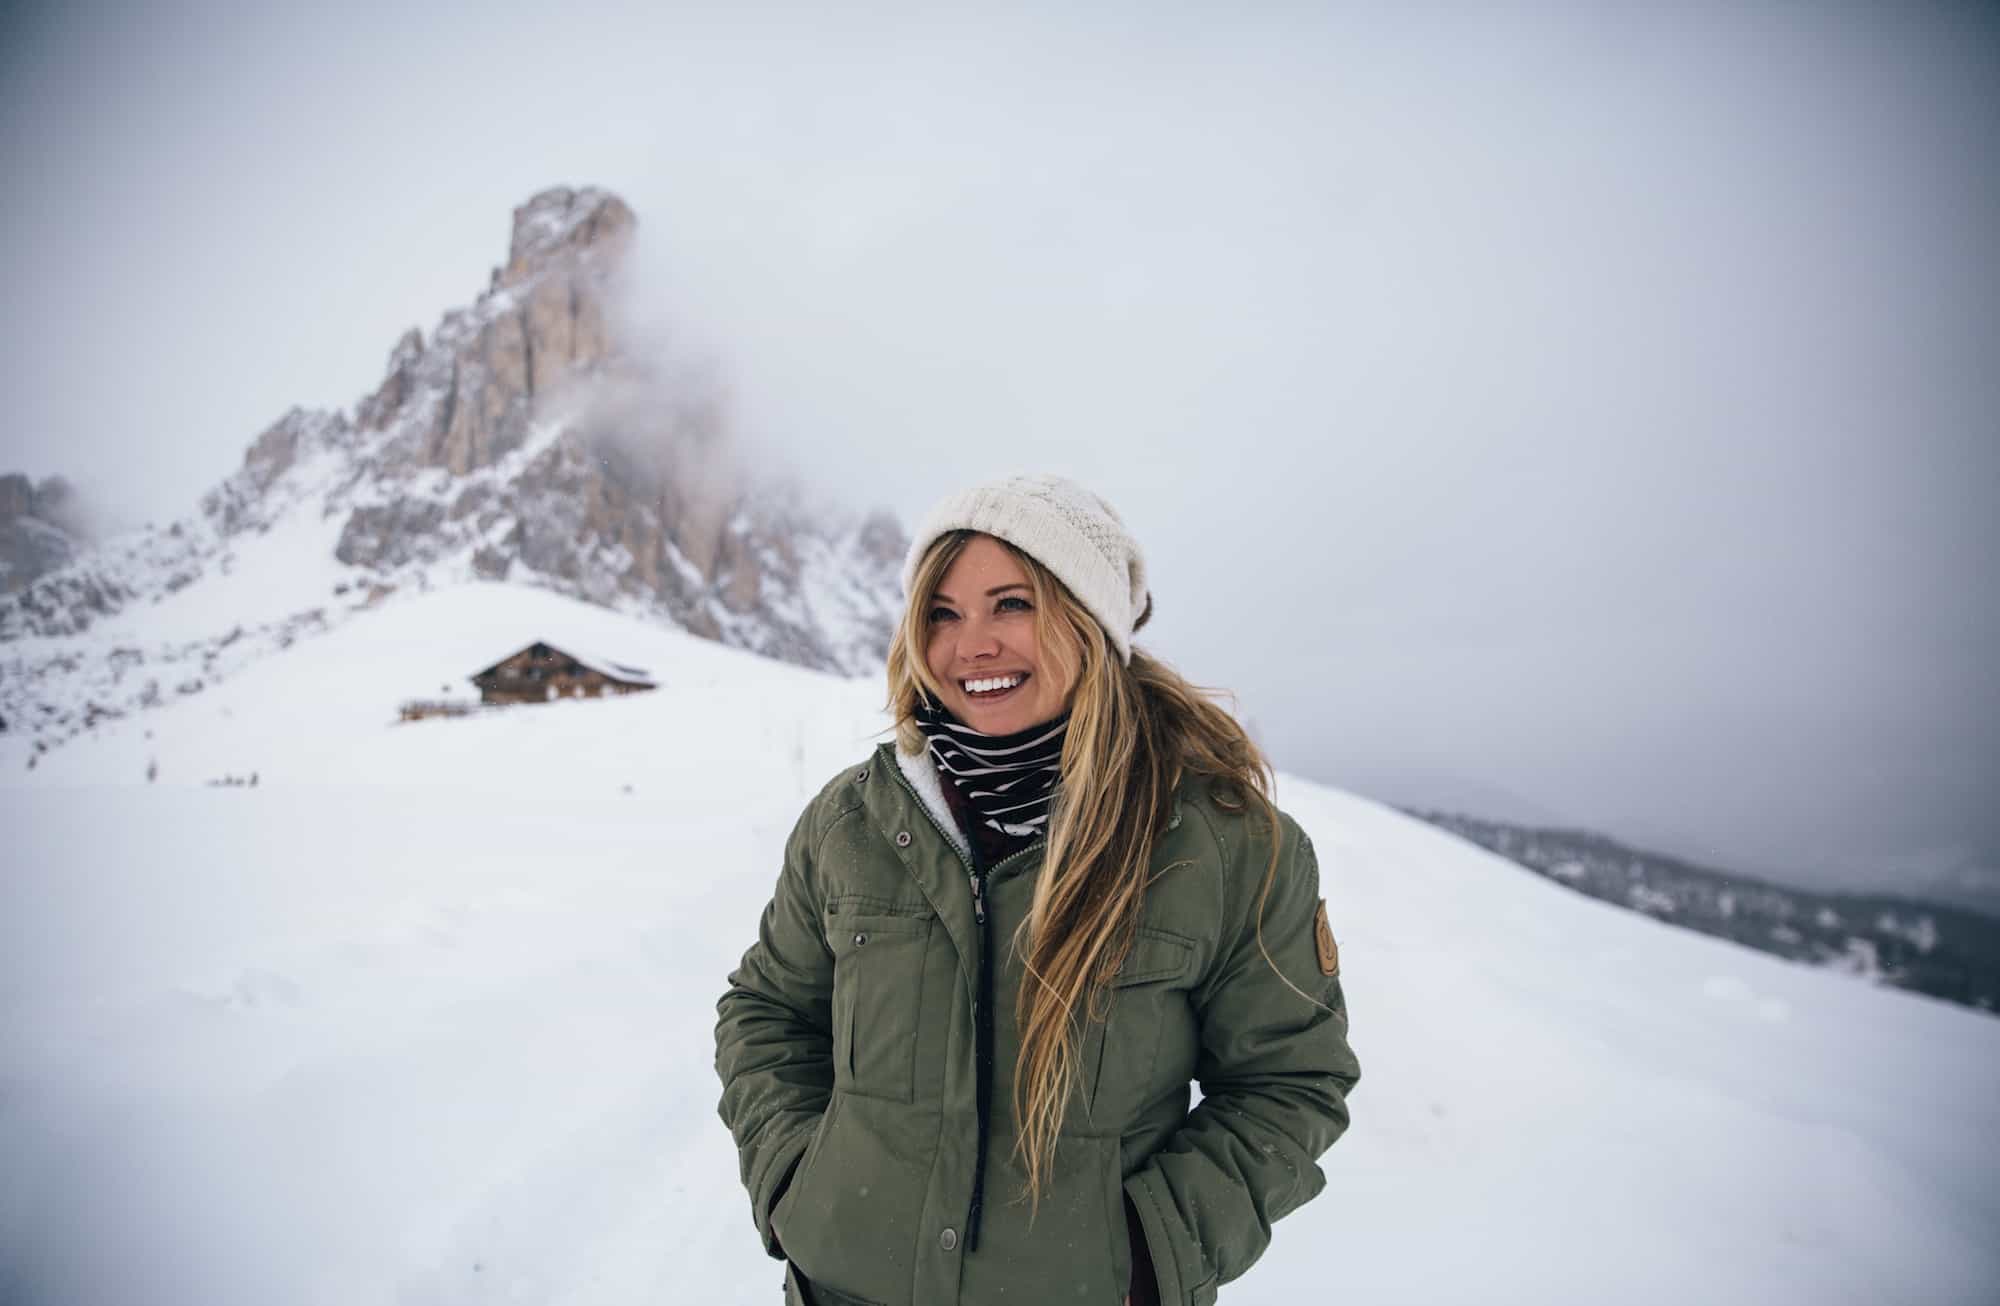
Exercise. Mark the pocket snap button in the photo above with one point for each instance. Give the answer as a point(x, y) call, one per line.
point(860, 940)
point(902, 838)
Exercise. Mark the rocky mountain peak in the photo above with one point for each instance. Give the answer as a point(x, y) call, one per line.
point(528, 437)
point(50, 499)
point(467, 399)
point(561, 225)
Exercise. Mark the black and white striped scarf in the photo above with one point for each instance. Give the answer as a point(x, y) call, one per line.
point(1007, 781)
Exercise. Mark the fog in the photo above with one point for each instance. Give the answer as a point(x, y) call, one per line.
point(1550, 413)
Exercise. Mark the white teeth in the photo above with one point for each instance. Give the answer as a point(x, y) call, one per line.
point(988, 686)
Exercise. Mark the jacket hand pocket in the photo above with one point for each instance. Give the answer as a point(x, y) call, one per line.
point(878, 980)
point(1145, 995)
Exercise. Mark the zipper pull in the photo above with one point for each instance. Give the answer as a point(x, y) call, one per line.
point(978, 897)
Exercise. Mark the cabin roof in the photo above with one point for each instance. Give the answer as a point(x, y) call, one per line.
point(623, 672)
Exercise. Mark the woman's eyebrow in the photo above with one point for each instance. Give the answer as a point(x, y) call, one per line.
point(940, 596)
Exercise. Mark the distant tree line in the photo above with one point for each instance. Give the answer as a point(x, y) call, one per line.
point(1947, 952)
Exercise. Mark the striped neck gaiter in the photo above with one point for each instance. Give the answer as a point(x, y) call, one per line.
point(1006, 782)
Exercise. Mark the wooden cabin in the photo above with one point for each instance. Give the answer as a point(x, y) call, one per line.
point(542, 673)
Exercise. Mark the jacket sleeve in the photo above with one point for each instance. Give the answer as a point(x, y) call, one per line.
point(773, 1036)
point(1275, 1070)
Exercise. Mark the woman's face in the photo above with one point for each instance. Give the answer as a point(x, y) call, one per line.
point(982, 646)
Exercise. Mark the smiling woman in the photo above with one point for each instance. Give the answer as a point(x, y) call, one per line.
point(957, 1062)
point(983, 650)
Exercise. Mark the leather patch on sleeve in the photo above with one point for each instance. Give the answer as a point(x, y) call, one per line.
point(1329, 951)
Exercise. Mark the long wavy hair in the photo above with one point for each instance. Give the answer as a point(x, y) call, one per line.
point(1135, 731)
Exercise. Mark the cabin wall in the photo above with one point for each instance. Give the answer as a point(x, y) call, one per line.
point(548, 688)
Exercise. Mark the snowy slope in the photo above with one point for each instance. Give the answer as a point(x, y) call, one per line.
point(425, 1017)
point(317, 714)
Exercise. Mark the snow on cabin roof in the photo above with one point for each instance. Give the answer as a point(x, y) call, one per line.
point(603, 666)
point(606, 667)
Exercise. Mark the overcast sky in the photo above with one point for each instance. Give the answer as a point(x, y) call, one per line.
point(1553, 413)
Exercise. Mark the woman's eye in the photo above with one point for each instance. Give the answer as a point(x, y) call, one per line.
point(1020, 604)
point(942, 614)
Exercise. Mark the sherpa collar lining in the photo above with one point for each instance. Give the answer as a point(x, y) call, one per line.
point(922, 774)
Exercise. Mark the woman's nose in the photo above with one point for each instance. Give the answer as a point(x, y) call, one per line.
point(977, 640)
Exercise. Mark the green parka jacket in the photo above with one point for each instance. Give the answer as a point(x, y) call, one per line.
point(847, 1050)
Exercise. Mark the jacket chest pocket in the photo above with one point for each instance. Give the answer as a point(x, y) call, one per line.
point(878, 981)
point(1148, 996)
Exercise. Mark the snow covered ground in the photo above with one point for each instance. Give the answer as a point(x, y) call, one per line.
point(425, 1018)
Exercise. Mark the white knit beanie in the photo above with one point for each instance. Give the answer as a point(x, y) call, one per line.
point(1064, 527)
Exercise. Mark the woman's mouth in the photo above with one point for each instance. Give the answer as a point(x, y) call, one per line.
point(991, 689)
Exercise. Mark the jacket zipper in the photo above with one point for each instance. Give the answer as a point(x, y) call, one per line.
point(982, 1015)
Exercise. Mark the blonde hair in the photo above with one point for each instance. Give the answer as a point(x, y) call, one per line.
point(1134, 732)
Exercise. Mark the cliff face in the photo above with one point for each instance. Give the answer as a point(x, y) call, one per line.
point(470, 398)
point(530, 438)
point(39, 529)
